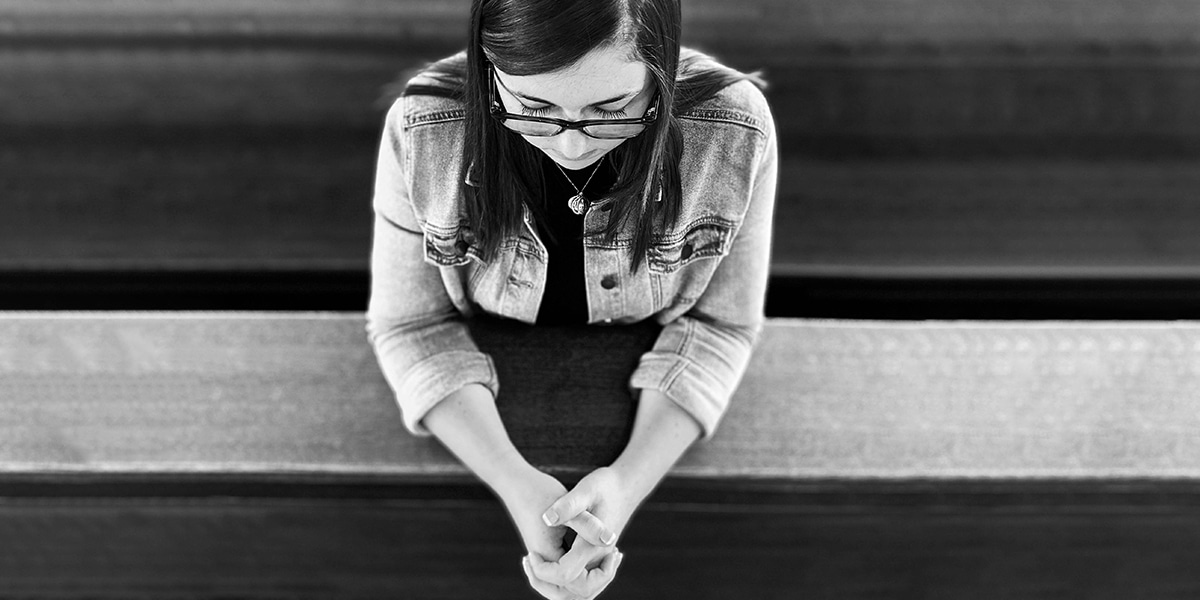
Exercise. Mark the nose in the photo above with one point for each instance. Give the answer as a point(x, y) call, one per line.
point(572, 144)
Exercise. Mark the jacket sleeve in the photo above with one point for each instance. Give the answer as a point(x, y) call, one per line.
point(700, 357)
point(419, 337)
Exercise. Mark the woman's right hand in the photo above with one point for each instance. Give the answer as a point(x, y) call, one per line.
point(525, 500)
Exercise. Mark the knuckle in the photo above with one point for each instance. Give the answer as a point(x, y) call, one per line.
point(592, 533)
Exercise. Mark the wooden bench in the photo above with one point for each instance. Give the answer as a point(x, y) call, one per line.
point(994, 141)
point(203, 455)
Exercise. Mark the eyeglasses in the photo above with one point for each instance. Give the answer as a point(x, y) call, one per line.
point(604, 129)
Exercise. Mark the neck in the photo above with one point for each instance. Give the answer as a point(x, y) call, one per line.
point(591, 175)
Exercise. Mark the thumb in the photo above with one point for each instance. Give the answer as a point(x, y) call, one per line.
point(567, 507)
point(592, 529)
point(571, 510)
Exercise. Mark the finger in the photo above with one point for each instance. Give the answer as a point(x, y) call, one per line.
point(567, 507)
point(549, 544)
point(547, 590)
point(592, 529)
point(572, 565)
point(598, 579)
point(566, 569)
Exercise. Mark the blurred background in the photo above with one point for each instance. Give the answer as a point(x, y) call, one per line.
point(940, 158)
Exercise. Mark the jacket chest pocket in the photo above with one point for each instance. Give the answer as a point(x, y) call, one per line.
point(708, 237)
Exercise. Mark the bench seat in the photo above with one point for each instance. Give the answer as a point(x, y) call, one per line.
point(301, 393)
point(254, 455)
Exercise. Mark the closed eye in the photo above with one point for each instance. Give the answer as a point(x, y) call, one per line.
point(542, 111)
point(535, 112)
point(611, 114)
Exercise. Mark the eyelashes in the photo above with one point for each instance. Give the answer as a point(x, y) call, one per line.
point(535, 112)
point(545, 110)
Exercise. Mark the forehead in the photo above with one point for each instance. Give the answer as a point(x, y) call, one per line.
point(601, 74)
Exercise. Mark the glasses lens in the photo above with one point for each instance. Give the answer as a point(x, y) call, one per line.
point(532, 127)
point(614, 131)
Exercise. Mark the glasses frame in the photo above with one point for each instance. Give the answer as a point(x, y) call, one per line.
point(497, 111)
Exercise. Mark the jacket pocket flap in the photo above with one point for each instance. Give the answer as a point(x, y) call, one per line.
point(704, 238)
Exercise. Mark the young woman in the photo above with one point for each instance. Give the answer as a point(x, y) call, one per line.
point(573, 165)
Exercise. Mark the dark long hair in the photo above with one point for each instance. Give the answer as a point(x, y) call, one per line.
point(529, 37)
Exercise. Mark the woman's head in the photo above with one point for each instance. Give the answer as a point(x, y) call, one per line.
point(575, 60)
point(603, 87)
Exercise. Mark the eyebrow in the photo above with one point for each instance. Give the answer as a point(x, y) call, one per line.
point(625, 96)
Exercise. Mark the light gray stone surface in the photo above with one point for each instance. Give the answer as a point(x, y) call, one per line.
point(301, 394)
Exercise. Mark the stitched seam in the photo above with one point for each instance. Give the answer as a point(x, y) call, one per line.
point(684, 360)
point(617, 244)
point(441, 116)
point(731, 118)
point(675, 373)
point(449, 231)
point(682, 235)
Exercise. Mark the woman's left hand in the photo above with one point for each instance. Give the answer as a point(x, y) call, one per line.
point(587, 586)
point(601, 494)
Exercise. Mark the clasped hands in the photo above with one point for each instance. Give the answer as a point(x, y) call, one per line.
point(596, 510)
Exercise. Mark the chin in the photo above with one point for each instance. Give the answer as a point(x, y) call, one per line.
point(575, 165)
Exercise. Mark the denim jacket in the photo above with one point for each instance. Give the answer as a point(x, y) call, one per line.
point(704, 278)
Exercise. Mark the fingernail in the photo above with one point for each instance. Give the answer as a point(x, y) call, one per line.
point(550, 517)
point(608, 538)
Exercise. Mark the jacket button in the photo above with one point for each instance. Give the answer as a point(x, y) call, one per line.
point(609, 282)
point(686, 253)
point(461, 247)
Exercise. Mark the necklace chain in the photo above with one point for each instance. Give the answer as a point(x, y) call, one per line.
point(578, 202)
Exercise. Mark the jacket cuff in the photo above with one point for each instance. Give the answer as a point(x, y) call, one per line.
point(698, 366)
point(694, 389)
point(430, 381)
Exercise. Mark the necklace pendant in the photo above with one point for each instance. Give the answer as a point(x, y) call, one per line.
point(577, 204)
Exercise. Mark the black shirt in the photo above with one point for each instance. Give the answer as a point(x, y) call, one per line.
point(565, 298)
